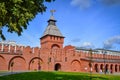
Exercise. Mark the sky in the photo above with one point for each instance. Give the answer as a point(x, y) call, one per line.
point(83, 23)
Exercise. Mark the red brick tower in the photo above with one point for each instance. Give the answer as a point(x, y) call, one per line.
point(52, 37)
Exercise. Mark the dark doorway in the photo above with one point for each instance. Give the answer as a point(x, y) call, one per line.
point(111, 68)
point(116, 68)
point(119, 67)
point(96, 67)
point(57, 67)
point(101, 67)
point(106, 68)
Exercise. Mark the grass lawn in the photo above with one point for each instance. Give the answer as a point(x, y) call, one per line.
point(58, 76)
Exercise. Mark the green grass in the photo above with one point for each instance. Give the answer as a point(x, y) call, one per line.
point(58, 76)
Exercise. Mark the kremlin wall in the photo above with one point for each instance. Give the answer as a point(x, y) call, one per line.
point(52, 56)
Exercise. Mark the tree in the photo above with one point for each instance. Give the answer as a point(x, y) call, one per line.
point(16, 14)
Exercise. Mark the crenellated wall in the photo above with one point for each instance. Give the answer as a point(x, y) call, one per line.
point(21, 58)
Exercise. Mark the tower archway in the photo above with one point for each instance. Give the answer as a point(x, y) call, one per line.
point(57, 67)
point(55, 46)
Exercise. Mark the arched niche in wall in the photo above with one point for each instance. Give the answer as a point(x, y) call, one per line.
point(35, 63)
point(17, 63)
point(55, 46)
point(3, 64)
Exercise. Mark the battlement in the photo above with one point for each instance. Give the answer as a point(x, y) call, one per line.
point(98, 55)
point(11, 47)
point(99, 51)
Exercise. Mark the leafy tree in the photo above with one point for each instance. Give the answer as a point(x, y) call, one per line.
point(16, 14)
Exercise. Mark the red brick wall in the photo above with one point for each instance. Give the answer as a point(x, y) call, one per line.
point(45, 58)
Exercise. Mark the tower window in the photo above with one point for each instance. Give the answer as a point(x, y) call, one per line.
point(60, 38)
point(54, 37)
point(65, 59)
point(50, 37)
point(55, 46)
point(49, 59)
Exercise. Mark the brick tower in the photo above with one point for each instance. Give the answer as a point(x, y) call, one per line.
point(52, 37)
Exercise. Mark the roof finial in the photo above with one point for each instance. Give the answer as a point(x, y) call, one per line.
point(52, 11)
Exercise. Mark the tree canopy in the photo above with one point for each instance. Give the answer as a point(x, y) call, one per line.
point(16, 14)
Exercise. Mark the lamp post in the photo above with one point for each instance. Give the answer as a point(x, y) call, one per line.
point(90, 63)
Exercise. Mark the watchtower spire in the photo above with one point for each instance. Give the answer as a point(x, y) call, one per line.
point(52, 17)
point(52, 28)
point(52, 37)
point(52, 11)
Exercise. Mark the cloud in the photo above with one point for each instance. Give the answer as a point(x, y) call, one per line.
point(83, 4)
point(108, 44)
point(110, 2)
point(87, 45)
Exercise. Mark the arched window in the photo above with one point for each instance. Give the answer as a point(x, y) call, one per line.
point(50, 37)
point(55, 46)
point(65, 59)
point(49, 59)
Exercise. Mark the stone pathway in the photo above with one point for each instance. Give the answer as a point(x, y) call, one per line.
point(116, 73)
point(9, 73)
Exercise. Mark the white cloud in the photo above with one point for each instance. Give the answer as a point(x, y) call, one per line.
point(81, 3)
point(108, 44)
point(87, 45)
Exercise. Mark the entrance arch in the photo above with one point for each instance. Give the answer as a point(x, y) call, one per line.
point(57, 67)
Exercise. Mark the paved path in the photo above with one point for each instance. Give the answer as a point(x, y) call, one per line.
point(9, 73)
point(116, 73)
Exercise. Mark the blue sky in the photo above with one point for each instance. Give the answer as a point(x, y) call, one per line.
point(84, 23)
